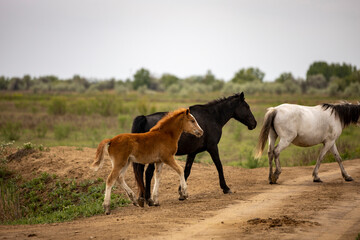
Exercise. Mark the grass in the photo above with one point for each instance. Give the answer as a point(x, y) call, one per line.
point(83, 120)
point(48, 199)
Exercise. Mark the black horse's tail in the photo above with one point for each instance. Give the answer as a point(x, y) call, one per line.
point(264, 133)
point(138, 126)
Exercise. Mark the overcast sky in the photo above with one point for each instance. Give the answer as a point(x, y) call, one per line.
point(104, 39)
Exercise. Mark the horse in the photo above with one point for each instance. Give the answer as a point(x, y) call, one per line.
point(211, 118)
point(158, 146)
point(306, 126)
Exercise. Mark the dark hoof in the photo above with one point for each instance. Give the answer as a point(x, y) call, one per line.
point(317, 180)
point(107, 213)
point(141, 201)
point(182, 198)
point(150, 202)
point(227, 191)
point(349, 179)
point(157, 204)
point(271, 182)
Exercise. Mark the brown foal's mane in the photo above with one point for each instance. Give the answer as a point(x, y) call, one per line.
point(168, 117)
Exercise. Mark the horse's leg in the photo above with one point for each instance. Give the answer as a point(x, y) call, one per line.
point(345, 175)
point(139, 177)
point(174, 165)
point(189, 161)
point(323, 151)
point(283, 143)
point(123, 184)
point(148, 175)
point(158, 168)
point(272, 140)
point(214, 153)
point(109, 184)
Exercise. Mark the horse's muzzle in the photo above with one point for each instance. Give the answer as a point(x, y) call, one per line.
point(199, 133)
point(252, 126)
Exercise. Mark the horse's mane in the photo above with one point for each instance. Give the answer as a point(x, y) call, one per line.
point(219, 100)
point(167, 117)
point(348, 113)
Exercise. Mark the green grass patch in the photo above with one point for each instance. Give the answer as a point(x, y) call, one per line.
point(48, 199)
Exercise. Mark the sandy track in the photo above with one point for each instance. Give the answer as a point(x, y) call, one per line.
point(296, 208)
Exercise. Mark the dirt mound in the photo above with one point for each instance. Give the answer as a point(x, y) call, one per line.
point(295, 208)
point(19, 154)
point(279, 222)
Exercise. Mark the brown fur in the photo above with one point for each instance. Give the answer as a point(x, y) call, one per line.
point(157, 145)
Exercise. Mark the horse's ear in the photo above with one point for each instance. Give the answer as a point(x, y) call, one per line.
point(187, 111)
point(242, 98)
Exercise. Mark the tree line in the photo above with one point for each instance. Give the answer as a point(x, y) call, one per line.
point(321, 77)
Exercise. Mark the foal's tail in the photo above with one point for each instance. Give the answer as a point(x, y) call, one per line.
point(99, 158)
point(264, 133)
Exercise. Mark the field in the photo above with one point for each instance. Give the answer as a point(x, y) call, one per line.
point(83, 120)
point(48, 142)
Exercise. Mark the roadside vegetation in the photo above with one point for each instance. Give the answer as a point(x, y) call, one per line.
point(47, 198)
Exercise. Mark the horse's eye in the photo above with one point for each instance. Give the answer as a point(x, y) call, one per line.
point(193, 121)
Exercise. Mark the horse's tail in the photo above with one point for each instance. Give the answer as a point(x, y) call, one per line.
point(100, 151)
point(138, 126)
point(264, 133)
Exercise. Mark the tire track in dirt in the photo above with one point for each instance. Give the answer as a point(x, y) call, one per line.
point(335, 222)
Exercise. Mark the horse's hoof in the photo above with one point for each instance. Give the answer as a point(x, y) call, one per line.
point(150, 202)
point(273, 181)
point(182, 198)
point(227, 191)
point(349, 179)
point(107, 213)
point(141, 201)
point(317, 180)
point(157, 204)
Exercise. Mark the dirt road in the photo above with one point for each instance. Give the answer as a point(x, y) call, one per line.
point(295, 208)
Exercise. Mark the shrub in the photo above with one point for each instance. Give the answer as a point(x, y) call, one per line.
point(105, 105)
point(41, 130)
point(353, 90)
point(11, 131)
point(62, 131)
point(57, 106)
point(123, 121)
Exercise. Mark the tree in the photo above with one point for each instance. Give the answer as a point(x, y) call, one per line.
point(209, 78)
point(168, 79)
point(330, 70)
point(3, 83)
point(285, 76)
point(141, 78)
point(248, 75)
point(319, 68)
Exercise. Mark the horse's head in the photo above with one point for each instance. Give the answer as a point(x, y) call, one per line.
point(191, 126)
point(242, 112)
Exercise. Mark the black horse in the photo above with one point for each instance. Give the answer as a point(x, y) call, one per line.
point(211, 118)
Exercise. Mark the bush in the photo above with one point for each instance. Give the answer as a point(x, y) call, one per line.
point(11, 131)
point(41, 130)
point(62, 131)
point(353, 90)
point(57, 106)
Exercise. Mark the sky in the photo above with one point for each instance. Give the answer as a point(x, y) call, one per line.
point(105, 39)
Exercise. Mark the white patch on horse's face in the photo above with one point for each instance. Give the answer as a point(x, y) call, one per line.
point(198, 132)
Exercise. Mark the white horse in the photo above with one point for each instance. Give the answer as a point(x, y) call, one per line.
point(306, 126)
